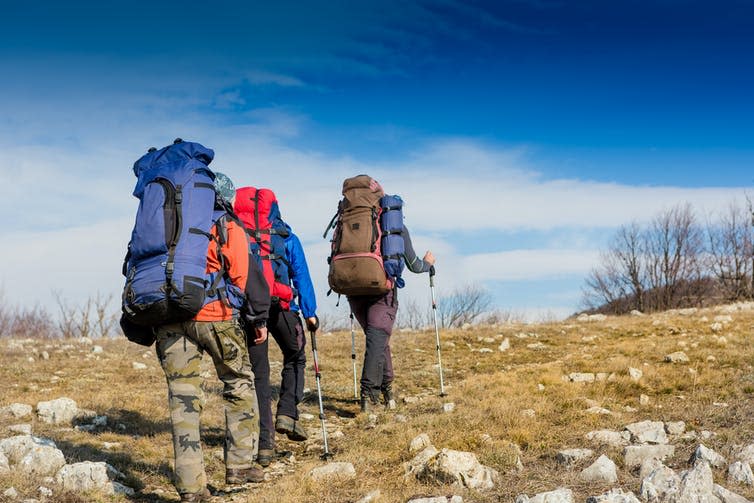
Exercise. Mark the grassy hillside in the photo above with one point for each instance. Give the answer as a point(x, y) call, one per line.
point(502, 400)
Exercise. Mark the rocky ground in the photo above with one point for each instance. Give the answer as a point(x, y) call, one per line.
point(601, 409)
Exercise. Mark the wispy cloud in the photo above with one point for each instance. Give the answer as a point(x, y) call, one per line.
point(261, 77)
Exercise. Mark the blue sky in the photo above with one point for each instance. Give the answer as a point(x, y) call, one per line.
point(521, 133)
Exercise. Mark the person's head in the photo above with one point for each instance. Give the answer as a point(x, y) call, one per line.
point(224, 187)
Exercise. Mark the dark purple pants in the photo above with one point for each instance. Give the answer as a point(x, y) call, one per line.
point(286, 328)
point(376, 315)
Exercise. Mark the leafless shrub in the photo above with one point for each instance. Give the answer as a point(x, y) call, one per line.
point(414, 315)
point(464, 305)
point(24, 322)
point(332, 322)
point(502, 317)
point(730, 252)
point(93, 318)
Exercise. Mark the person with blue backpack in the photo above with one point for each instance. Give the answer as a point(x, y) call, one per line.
point(287, 273)
point(370, 248)
point(187, 281)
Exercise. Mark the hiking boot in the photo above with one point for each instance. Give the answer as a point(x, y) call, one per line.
point(204, 495)
point(291, 427)
point(264, 457)
point(387, 396)
point(367, 401)
point(238, 476)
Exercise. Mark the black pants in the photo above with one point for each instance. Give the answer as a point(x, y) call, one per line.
point(286, 328)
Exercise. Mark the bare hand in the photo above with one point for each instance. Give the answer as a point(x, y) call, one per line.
point(261, 333)
point(429, 258)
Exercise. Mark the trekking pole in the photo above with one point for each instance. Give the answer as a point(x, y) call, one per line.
point(437, 330)
point(353, 360)
point(318, 376)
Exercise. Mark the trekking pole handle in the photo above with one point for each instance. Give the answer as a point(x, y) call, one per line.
point(431, 270)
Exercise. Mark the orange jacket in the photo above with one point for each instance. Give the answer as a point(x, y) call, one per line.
point(236, 253)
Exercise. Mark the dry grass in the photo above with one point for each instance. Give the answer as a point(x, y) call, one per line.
point(489, 389)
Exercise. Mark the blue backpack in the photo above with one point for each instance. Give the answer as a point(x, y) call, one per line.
point(166, 263)
point(392, 245)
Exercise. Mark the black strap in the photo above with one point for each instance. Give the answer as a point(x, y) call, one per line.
point(332, 223)
point(194, 230)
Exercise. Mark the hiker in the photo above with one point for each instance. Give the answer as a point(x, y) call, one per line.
point(370, 226)
point(287, 272)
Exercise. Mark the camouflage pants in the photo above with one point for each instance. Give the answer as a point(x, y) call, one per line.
point(180, 347)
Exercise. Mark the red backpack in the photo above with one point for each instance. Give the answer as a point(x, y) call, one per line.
point(253, 207)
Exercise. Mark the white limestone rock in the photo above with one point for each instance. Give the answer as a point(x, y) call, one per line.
point(602, 471)
point(560, 495)
point(89, 476)
point(677, 357)
point(416, 465)
point(437, 499)
point(697, 485)
point(336, 470)
point(726, 496)
point(661, 485)
point(675, 427)
point(58, 411)
point(420, 442)
point(614, 496)
point(4, 464)
point(648, 432)
point(635, 374)
point(570, 457)
point(740, 473)
point(704, 453)
point(635, 455)
point(460, 469)
point(16, 411)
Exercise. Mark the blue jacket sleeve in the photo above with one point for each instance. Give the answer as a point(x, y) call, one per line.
point(299, 272)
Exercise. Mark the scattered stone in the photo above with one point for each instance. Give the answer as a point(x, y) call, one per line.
point(675, 427)
point(371, 497)
point(21, 429)
point(58, 411)
point(643, 399)
point(740, 473)
point(11, 493)
point(32, 455)
point(726, 496)
point(306, 416)
point(460, 469)
point(609, 437)
point(662, 484)
point(97, 349)
point(677, 357)
point(581, 377)
point(540, 387)
point(505, 345)
point(561, 495)
point(44, 492)
point(648, 432)
point(437, 499)
point(528, 413)
point(635, 455)
point(703, 453)
point(706, 435)
point(448, 407)
point(4, 464)
point(716, 327)
point(417, 464)
point(339, 470)
point(635, 374)
point(598, 410)
point(570, 457)
point(614, 496)
point(537, 346)
point(746, 454)
point(419, 443)
point(16, 410)
point(45, 355)
point(636, 312)
point(723, 318)
point(109, 446)
point(90, 476)
point(138, 366)
point(648, 467)
point(602, 376)
point(696, 485)
point(603, 470)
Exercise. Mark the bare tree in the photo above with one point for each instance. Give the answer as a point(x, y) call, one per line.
point(621, 277)
point(464, 305)
point(674, 247)
point(730, 251)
